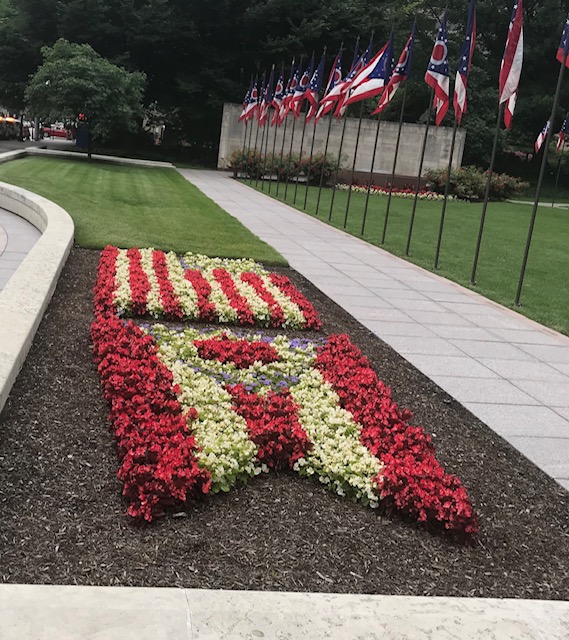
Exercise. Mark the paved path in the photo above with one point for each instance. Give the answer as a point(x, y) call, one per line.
point(512, 373)
point(17, 237)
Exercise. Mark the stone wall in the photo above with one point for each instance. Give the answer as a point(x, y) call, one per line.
point(437, 153)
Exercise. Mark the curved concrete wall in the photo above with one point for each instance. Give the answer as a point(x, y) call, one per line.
point(26, 295)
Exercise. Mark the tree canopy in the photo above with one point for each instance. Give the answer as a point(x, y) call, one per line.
point(75, 79)
point(196, 55)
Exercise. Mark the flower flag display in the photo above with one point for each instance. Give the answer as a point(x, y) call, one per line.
point(563, 51)
point(562, 133)
point(511, 68)
point(400, 73)
point(312, 93)
point(464, 63)
point(542, 136)
point(437, 75)
point(330, 93)
point(371, 80)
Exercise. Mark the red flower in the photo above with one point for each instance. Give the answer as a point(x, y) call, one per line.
point(277, 315)
point(236, 300)
point(312, 321)
point(241, 352)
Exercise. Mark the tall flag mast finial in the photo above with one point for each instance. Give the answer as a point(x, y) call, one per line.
point(437, 72)
point(512, 60)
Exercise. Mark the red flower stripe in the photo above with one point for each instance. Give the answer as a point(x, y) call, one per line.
point(202, 288)
point(139, 283)
point(158, 465)
point(412, 480)
point(272, 422)
point(241, 352)
point(105, 285)
point(236, 300)
point(286, 287)
point(170, 300)
point(253, 279)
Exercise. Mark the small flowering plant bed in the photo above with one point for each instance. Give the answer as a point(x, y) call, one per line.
point(196, 287)
point(408, 192)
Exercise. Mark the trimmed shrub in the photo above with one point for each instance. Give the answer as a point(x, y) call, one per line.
point(469, 183)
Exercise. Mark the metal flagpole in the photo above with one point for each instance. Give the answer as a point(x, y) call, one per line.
point(354, 165)
point(244, 143)
point(255, 152)
point(337, 167)
point(260, 172)
point(282, 156)
point(299, 159)
point(421, 161)
point(445, 199)
point(394, 165)
point(273, 157)
point(486, 196)
point(371, 173)
point(540, 180)
point(289, 156)
point(322, 167)
point(310, 164)
point(557, 176)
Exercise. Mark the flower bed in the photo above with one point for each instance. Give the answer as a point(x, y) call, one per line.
point(424, 194)
point(199, 410)
point(196, 287)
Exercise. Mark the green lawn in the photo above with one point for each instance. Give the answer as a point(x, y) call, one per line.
point(131, 206)
point(545, 296)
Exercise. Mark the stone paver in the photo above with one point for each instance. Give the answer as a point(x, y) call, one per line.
point(17, 237)
point(510, 372)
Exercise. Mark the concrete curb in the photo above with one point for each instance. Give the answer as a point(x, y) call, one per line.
point(72, 155)
point(25, 297)
point(123, 613)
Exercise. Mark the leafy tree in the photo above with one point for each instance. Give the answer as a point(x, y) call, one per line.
point(75, 79)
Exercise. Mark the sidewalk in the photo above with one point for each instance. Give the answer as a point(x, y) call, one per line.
point(509, 371)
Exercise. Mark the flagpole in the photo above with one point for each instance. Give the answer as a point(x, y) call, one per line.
point(394, 165)
point(337, 167)
point(273, 157)
point(354, 165)
point(289, 156)
point(259, 173)
point(299, 159)
point(255, 152)
point(265, 158)
point(282, 156)
point(486, 195)
point(249, 143)
point(371, 173)
point(244, 143)
point(557, 176)
point(322, 167)
point(447, 188)
point(540, 180)
point(421, 161)
point(310, 164)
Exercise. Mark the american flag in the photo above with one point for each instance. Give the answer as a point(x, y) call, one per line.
point(541, 137)
point(301, 87)
point(330, 94)
point(246, 101)
point(371, 80)
point(562, 132)
point(437, 72)
point(278, 97)
point(511, 68)
point(563, 51)
point(464, 63)
point(313, 92)
point(400, 73)
point(267, 99)
point(347, 82)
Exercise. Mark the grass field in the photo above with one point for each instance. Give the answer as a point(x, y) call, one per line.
point(131, 206)
point(545, 296)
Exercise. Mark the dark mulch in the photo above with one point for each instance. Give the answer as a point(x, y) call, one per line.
point(62, 514)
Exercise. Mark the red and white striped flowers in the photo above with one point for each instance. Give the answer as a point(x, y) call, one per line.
point(196, 287)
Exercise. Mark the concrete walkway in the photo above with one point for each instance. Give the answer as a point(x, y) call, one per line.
point(17, 237)
point(512, 373)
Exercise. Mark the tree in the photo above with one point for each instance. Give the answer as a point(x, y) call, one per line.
point(75, 79)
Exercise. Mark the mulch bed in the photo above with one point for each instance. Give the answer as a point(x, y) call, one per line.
point(62, 513)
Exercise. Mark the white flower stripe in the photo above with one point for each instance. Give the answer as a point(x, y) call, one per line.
point(294, 318)
point(235, 266)
point(122, 295)
point(154, 299)
point(258, 306)
point(184, 290)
